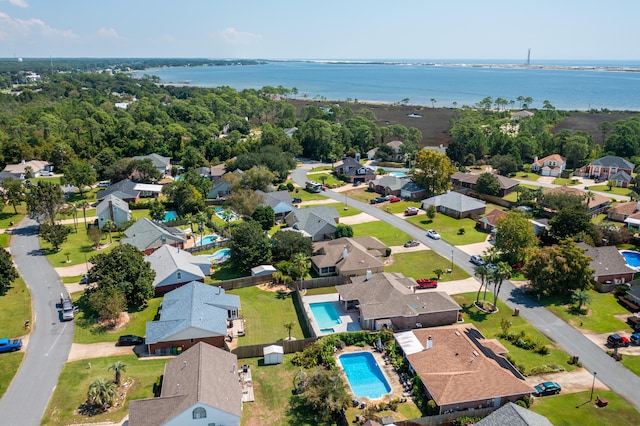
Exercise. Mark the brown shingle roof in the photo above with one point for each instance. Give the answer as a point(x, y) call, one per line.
point(493, 216)
point(553, 157)
point(203, 374)
point(605, 260)
point(362, 252)
point(595, 201)
point(624, 208)
point(455, 370)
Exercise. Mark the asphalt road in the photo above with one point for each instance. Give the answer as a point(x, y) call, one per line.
point(25, 401)
point(594, 358)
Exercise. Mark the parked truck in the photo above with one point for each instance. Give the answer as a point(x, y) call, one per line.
point(10, 345)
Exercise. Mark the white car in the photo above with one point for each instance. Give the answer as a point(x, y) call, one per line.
point(433, 234)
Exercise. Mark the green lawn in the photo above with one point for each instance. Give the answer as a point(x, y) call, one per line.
point(305, 195)
point(575, 409)
point(614, 190)
point(361, 193)
point(321, 290)
point(399, 207)
point(351, 211)
point(381, 230)
point(448, 228)
point(265, 313)
point(632, 363)
point(71, 391)
point(140, 213)
point(527, 176)
point(489, 325)
point(600, 319)
point(4, 240)
point(421, 264)
point(16, 309)
point(52, 179)
point(320, 169)
point(77, 246)
point(8, 216)
point(87, 330)
point(329, 178)
point(565, 182)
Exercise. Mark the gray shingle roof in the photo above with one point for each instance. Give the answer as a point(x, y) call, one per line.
point(158, 160)
point(605, 260)
point(514, 415)
point(146, 234)
point(613, 161)
point(274, 198)
point(194, 305)
point(454, 201)
point(115, 202)
point(313, 219)
point(168, 260)
point(621, 176)
point(202, 374)
point(394, 183)
point(122, 189)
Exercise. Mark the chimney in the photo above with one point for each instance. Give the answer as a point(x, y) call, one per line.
point(429, 343)
point(368, 275)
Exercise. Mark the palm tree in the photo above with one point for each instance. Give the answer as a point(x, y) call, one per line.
point(109, 225)
point(433, 102)
point(227, 214)
point(438, 272)
point(580, 297)
point(117, 367)
point(301, 263)
point(589, 196)
point(83, 204)
point(289, 326)
point(190, 219)
point(102, 392)
point(502, 272)
point(482, 272)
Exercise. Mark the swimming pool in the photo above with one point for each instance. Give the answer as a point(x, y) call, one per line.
point(325, 314)
point(398, 174)
point(220, 256)
point(207, 239)
point(631, 257)
point(170, 215)
point(221, 215)
point(364, 375)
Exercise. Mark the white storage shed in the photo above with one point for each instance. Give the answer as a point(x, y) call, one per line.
point(273, 354)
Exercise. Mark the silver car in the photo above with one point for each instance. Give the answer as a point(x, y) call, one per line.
point(67, 310)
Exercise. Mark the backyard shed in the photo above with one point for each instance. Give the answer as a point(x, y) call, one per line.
point(262, 270)
point(273, 354)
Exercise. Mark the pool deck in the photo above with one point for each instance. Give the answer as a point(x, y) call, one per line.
point(349, 320)
point(390, 374)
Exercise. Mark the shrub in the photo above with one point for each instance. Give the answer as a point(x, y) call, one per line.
point(620, 290)
point(388, 252)
point(521, 403)
point(542, 349)
point(461, 231)
point(527, 400)
point(290, 187)
point(432, 408)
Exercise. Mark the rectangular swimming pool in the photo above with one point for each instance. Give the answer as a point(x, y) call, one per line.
point(364, 375)
point(325, 314)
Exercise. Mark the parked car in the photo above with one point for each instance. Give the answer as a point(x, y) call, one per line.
point(10, 345)
point(616, 340)
point(491, 267)
point(547, 388)
point(411, 211)
point(296, 200)
point(378, 200)
point(395, 199)
point(412, 243)
point(635, 338)
point(68, 310)
point(477, 260)
point(433, 234)
point(130, 340)
point(426, 283)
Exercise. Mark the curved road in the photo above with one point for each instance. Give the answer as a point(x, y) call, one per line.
point(593, 357)
point(50, 341)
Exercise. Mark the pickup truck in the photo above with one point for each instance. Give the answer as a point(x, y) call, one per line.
point(426, 283)
point(10, 345)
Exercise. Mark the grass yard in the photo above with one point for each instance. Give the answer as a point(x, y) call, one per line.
point(265, 313)
point(600, 318)
point(421, 264)
point(305, 195)
point(576, 409)
point(9, 364)
point(527, 176)
point(4, 240)
point(381, 230)
point(321, 290)
point(351, 211)
point(361, 193)
point(565, 182)
point(320, 169)
point(9, 216)
point(140, 213)
point(398, 207)
point(52, 179)
point(77, 246)
point(614, 190)
point(87, 329)
point(489, 325)
point(76, 376)
point(448, 228)
point(329, 179)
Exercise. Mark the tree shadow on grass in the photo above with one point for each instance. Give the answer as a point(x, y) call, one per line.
point(298, 413)
point(474, 313)
point(426, 221)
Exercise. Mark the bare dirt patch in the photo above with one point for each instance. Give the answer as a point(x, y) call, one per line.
point(275, 287)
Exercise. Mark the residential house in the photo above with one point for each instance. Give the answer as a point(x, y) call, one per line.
point(148, 190)
point(551, 165)
point(389, 300)
point(628, 213)
point(455, 205)
point(7, 175)
point(609, 168)
point(148, 236)
point(175, 267)
point(634, 294)
point(461, 180)
point(163, 164)
point(517, 116)
point(114, 209)
point(489, 222)
point(193, 313)
point(397, 147)
point(459, 368)
point(318, 222)
point(199, 387)
point(540, 226)
point(354, 171)
point(348, 256)
point(36, 167)
point(412, 191)
point(280, 201)
point(609, 267)
point(371, 154)
point(595, 204)
point(124, 189)
point(388, 185)
point(514, 415)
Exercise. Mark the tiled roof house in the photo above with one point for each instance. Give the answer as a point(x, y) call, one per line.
point(470, 180)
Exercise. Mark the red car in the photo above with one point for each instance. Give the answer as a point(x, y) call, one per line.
point(394, 199)
point(426, 283)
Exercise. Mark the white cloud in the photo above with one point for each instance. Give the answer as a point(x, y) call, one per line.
point(19, 3)
point(108, 33)
point(233, 36)
point(14, 28)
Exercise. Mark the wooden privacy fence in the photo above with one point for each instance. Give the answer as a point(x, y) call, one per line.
point(261, 279)
point(443, 419)
point(289, 347)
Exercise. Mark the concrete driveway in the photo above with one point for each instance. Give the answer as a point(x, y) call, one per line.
point(100, 350)
point(578, 380)
point(477, 248)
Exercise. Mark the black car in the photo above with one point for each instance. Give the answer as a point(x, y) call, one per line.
point(616, 340)
point(130, 340)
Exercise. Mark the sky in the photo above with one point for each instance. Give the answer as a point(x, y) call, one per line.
point(329, 29)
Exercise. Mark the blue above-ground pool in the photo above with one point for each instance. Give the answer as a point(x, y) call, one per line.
point(170, 215)
point(364, 375)
point(631, 257)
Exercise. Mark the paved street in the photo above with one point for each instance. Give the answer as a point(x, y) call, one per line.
point(593, 357)
point(26, 399)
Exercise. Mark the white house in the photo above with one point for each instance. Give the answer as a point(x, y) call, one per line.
point(551, 165)
point(114, 209)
